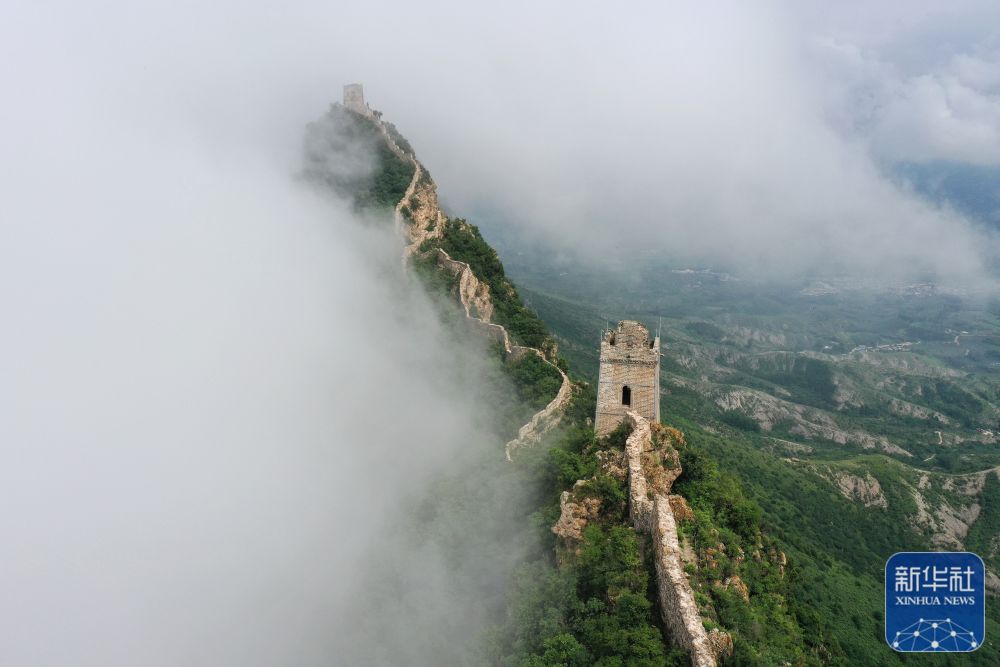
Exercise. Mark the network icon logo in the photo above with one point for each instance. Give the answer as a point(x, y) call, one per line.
point(935, 602)
point(935, 635)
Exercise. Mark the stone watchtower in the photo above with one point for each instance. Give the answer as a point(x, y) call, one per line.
point(629, 376)
point(354, 99)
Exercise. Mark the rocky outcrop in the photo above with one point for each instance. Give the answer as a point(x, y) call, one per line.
point(613, 463)
point(992, 583)
point(661, 464)
point(576, 510)
point(865, 489)
point(736, 584)
point(907, 409)
point(651, 511)
point(679, 506)
point(473, 294)
point(721, 643)
point(948, 505)
point(806, 422)
point(947, 524)
point(419, 218)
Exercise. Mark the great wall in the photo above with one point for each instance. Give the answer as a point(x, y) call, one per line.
point(651, 507)
point(426, 221)
point(651, 512)
point(649, 465)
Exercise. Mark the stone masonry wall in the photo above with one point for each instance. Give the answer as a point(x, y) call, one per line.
point(651, 513)
point(426, 221)
point(628, 358)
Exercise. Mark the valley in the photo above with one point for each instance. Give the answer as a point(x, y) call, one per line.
point(862, 421)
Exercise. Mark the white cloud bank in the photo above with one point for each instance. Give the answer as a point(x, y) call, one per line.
point(217, 387)
point(203, 365)
point(920, 81)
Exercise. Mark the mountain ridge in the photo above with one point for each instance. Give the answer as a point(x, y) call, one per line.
point(742, 580)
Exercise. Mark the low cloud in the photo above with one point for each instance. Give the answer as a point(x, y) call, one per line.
point(919, 83)
point(757, 138)
point(222, 395)
point(219, 389)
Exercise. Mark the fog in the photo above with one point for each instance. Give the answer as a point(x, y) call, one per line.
point(221, 394)
point(761, 137)
point(218, 387)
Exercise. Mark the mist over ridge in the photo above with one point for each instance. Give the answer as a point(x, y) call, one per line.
point(222, 393)
point(222, 396)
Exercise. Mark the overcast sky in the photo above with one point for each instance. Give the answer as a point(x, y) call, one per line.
point(757, 133)
point(206, 369)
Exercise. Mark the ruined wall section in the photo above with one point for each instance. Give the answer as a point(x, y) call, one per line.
point(419, 218)
point(650, 512)
point(677, 603)
point(548, 417)
point(473, 294)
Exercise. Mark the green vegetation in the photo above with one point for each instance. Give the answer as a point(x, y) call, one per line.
point(399, 139)
point(726, 535)
point(810, 380)
point(346, 152)
point(595, 613)
point(706, 330)
point(800, 350)
point(984, 535)
point(823, 605)
point(737, 419)
point(535, 380)
point(797, 349)
point(597, 607)
point(600, 607)
point(436, 281)
point(464, 242)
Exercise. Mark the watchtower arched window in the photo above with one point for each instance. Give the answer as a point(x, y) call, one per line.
point(626, 395)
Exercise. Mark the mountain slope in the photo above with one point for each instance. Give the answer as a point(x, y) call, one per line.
point(840, 449)
point(594, 602)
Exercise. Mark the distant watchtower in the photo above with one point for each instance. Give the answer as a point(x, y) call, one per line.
point(354, 99)
point(629, 376)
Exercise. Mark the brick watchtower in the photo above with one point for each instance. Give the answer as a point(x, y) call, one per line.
point(629, 376)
